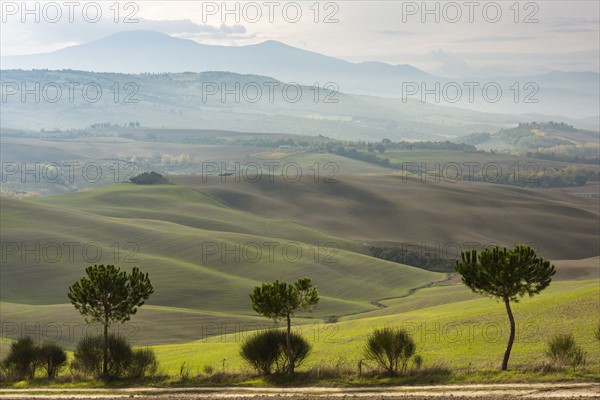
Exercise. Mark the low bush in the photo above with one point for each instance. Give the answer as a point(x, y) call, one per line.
point(143, 363)
point(563, 350)
point(390, 348)
point(266, 351)
point(22, 360)
point(90, 352)
point(52, 358)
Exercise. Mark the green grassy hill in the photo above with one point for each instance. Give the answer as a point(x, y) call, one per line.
point(548, 138)
point(200, 311)
point(203, 256)
point(456, 330)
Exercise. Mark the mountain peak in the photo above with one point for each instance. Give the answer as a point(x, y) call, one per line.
point(272, 42)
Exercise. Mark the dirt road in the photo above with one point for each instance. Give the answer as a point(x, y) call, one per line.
point(456, 392)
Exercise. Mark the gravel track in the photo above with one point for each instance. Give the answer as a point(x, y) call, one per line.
point(455, 392)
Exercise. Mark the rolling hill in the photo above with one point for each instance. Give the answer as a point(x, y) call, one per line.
point(206, 244)
point(391, 210)
point(549, 140)
point(452, 329)
point(255, 104)
point(204, 257)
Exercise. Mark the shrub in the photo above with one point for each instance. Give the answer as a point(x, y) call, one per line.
point(267, 349)
point(390, 348)
point(88, 356)
point(300, 349)
point(563, 350)
point(261, 350)
point(90, 351)
point(597, 332)
point(22, 359)
point(52, 357)
point(120, 356)
point(143, 363)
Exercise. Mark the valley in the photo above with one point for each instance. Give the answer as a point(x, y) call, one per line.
point(332, 205)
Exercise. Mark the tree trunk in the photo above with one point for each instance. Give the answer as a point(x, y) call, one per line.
point(288, 343)
point(105, 358)
point(511, 338)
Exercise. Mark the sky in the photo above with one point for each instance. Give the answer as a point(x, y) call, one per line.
point(457, 39)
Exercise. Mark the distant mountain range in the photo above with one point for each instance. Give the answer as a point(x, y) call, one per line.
point(570, 94)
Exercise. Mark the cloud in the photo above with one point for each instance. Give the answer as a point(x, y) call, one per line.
point(397, 33)
point(571, 21)
point(188, 28)
point(37, 38)
point(573, 30)
point(495, 39)
point(575, 25)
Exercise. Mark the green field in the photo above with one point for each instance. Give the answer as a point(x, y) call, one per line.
point(203, 244)
point(459, 334)
point(204, 258)
point(468, 332)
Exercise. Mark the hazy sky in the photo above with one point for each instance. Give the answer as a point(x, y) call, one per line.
point(475, 38)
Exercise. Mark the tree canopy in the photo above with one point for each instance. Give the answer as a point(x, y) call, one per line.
point(108, 295)
point(281, 300)
point(505, 274)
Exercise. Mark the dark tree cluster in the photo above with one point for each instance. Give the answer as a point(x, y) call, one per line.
point(149, 178)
